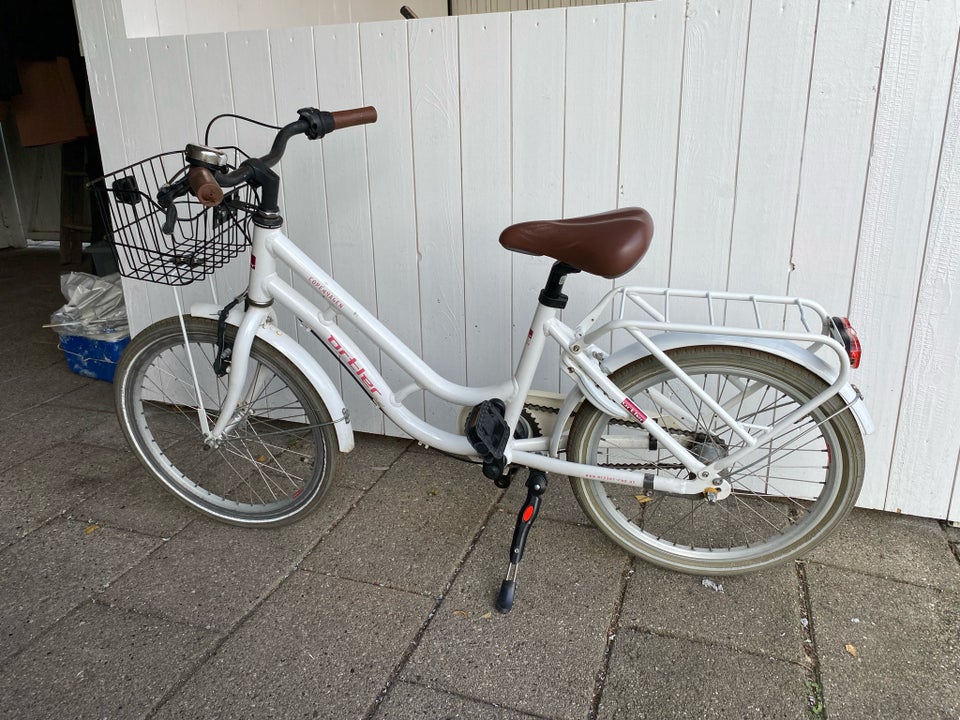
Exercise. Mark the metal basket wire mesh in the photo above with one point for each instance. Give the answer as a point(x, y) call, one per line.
point(200, 241)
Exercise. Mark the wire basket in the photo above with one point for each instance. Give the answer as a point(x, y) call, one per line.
point(199, 241)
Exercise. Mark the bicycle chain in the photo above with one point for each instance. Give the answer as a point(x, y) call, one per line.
point(691, 435)
point(688, 434)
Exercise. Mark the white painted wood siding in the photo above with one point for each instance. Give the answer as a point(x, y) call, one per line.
point(786, 146)
point(150, 18)
point(472, 7)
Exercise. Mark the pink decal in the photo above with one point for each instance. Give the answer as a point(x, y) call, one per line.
point(632, 408)
point(323, 290)
point(351, 362)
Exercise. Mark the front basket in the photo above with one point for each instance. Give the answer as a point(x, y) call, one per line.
point(189, 248)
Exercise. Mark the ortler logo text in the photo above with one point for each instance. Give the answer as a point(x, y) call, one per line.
point(354, 365)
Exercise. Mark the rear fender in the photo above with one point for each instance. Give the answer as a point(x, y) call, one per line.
point(671, 341)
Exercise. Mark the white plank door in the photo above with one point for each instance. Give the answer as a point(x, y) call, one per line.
point(485, 138)
point(771, 141)
point(538, 68)
point(434, 77)
point(836, 150)
point(346, 185)
point(926, 446)
point(650, 116)
point(714, 58)
point(393, 219)
point(591, 134)
point(903, 169)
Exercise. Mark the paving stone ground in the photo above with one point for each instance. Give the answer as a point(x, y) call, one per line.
point(120, 603)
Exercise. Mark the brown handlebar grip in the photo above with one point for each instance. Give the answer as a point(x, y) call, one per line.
point(208, 192)
point(356, 116)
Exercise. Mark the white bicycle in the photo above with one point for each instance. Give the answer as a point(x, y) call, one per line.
point(702, 446)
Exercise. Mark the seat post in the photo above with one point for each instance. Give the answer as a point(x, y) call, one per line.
point(551, 295)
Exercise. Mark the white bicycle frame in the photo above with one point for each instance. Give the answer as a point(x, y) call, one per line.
point(581, 358)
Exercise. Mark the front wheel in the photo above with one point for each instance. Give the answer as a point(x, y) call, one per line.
point(275, 462)
point(787, 497)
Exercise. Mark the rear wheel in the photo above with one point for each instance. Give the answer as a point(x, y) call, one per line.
point(787, 497)
point(273, 466)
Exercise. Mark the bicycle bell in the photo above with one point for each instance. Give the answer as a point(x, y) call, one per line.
point(208, 157)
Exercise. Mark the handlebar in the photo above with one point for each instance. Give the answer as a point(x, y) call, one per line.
point(207, 183)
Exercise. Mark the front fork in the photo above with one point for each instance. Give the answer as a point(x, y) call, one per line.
point(232, 410)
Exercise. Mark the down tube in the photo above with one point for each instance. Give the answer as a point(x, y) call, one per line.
point(366, 374)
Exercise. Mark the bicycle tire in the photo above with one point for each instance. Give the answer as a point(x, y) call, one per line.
point(273, 467)
point(777, 511)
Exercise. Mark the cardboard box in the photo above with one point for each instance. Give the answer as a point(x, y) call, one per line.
point(49, 109)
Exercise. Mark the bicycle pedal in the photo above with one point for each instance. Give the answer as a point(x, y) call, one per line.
point(487, 431)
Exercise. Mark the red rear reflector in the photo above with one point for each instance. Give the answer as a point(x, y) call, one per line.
point(528, 513)
point(850, 340)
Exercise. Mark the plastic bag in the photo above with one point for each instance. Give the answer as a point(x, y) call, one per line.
point(94, 309)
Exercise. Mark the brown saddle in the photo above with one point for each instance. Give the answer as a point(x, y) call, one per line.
point(607, 244)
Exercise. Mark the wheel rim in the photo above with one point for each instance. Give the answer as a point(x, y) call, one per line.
point(775, 508)
point(269, 464)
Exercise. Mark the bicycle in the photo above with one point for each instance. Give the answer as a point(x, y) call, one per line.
point(702, 447)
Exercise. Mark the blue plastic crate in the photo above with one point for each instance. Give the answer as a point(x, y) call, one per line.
point(92, 358)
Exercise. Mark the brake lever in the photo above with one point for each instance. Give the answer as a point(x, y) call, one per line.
point(165, 199)
point(171, 219)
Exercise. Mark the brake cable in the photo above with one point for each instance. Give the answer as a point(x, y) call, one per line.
point(206, 134)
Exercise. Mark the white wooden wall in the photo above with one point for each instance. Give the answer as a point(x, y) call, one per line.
point(781, 146)
point(470, 7)
point(151, 18)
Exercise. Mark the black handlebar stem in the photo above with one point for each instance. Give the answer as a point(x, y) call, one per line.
point(261, 176)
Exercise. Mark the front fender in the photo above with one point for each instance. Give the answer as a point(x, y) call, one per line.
point(671, 341)
point(291, 349)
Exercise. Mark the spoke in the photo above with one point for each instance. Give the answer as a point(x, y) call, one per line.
point(185, 367)
point(693, 414)
point(240, 476)
point(691, 512)
point(259, 468)
point(796, 479)
point(164, 409)
point(282, 448)
point(754, 511)
point(279, 467)
point(770, 456)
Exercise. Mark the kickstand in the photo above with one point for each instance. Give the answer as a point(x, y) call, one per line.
point(536, 486)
